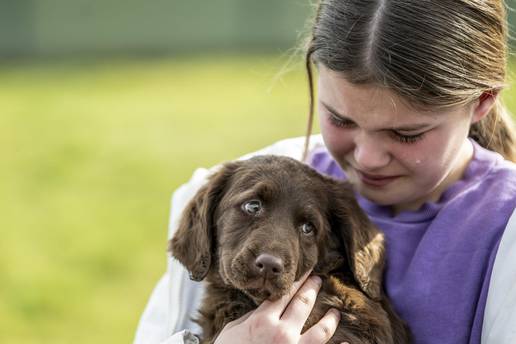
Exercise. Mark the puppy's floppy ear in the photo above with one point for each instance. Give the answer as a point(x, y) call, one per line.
point(192, 243)
point(364, 242)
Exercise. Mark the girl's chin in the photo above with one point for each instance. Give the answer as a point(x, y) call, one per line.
point(382, 197)
point(381, 201)
point(395, 200)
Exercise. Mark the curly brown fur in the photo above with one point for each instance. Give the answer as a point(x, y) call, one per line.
point(258, 225)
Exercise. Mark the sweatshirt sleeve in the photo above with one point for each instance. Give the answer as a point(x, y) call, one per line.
point(167, 318)
point(499, 326)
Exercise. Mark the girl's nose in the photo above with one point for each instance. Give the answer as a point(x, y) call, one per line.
point(370, 154)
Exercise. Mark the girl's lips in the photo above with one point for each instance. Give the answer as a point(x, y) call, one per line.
point(376, 180)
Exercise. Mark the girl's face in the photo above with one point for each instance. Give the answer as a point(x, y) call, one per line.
point(393, 154)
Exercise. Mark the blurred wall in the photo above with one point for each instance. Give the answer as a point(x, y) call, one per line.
point(64, 27)
point(67, 27)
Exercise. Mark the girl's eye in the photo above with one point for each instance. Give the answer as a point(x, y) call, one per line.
point(308, 228)
point(339, 122)
point(252, 207)
point(407, 138)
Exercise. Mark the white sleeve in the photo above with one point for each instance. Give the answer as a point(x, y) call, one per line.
point(175, 298)
point(499, 325)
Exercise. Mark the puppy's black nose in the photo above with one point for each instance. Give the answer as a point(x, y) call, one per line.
point(269, 264)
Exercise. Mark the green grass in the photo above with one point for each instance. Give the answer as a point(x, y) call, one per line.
point(90, 154)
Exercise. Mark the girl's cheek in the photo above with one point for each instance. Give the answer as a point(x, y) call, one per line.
point(338, 143)
point(413, 159)
point(329, 133)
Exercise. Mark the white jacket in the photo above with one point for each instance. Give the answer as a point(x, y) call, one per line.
point(175, 299)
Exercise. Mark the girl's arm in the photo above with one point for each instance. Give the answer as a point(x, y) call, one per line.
point(175, 298)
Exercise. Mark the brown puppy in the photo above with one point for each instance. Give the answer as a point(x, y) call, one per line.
point(258, 225)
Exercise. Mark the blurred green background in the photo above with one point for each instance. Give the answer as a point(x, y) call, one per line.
point(106, 108)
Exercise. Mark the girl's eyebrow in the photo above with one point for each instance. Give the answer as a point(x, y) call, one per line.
point(409, 127)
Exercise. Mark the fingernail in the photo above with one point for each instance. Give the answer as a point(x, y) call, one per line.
point(316, 279)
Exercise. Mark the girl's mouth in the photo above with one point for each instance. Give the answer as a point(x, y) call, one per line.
point(376, 180)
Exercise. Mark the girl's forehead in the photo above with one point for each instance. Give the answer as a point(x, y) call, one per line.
point(334, 88)
point(370, 101)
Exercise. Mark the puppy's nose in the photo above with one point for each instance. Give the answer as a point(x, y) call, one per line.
point(269, 264)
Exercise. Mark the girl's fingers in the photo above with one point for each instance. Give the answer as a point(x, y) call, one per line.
point(277, 307)
point(302, 303)
point(323, 330)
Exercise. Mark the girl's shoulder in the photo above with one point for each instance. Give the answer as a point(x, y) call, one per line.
point(492, 175)
point(488, 160)
point(486, 195)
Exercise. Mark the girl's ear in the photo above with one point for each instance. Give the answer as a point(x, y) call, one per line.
point(483, 105)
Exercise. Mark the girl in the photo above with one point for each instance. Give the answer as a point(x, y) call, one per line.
point(410, 114)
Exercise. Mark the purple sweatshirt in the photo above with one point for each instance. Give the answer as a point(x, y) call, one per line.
point(440, 257)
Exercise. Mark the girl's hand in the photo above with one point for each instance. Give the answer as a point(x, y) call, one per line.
point(281, 321)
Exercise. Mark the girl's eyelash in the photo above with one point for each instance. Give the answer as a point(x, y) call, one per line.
point(407, 138)
point(344, 123)
point(339, 122)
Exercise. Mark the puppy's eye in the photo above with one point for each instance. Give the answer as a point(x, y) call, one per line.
point(252, 207)
point(308, 228)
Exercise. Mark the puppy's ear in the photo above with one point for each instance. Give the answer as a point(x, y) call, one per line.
point(364, 242)
point(192, 243)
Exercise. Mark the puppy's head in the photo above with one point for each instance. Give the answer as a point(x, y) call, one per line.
point(260, 224)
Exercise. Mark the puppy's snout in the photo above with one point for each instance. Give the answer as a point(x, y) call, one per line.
point(267, 264)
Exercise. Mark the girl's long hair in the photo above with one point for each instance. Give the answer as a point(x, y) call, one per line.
point(435, 54)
